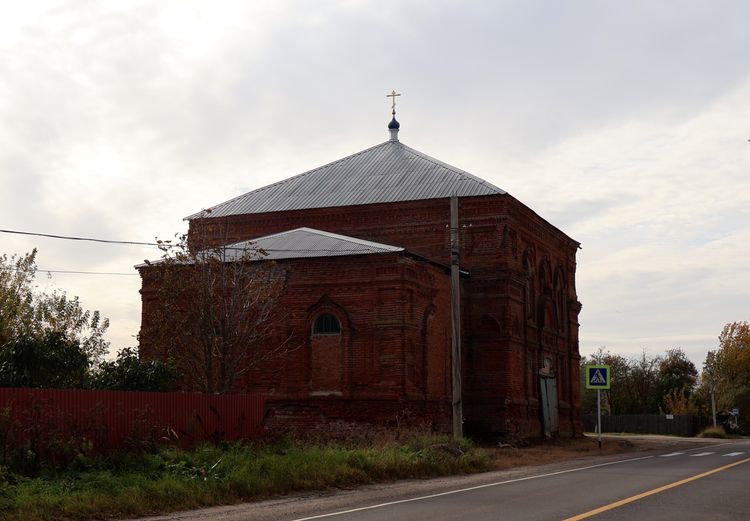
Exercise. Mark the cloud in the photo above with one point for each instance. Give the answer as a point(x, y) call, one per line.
point(623, 125)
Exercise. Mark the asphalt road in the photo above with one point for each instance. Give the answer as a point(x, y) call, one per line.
point(689, 482)
point(700, 484)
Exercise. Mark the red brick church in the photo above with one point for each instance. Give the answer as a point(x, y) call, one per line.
point(365, 243)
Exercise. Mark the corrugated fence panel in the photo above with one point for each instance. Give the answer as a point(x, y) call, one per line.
point(678, 424)
point(116, 419)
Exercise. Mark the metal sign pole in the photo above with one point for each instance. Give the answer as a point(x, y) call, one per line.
point(599, 415)
point(598, 377)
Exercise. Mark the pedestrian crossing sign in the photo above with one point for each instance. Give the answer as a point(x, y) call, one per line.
point(597, 376)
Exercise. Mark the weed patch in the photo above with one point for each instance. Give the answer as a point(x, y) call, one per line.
point(173, 479)
point(713, 432)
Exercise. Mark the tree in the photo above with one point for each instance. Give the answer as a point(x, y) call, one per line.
point(51, 360)
point(677, 378)
point(646, 384)
point(129, 373)
point(26, 312)
point(727, 370)
point(215, 308)
point(616, 399)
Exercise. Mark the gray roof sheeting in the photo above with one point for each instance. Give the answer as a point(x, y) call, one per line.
point(300, 243)
point(385, 173)
point(309, 243)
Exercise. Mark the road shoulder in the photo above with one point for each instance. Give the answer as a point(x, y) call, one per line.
point(311, 504)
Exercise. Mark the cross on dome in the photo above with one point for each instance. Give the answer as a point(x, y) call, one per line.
point(393, 95)
point(394, 125)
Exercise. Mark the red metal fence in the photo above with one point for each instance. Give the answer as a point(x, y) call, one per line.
point(110, 420)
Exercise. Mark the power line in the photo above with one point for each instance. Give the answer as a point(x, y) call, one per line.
point(73, 272)
point(167, 244)
point(107, 241)
point(87, 272)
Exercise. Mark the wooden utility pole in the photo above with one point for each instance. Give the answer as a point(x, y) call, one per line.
point(458, 430)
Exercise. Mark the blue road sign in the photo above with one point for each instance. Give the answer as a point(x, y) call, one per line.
point(597, 376)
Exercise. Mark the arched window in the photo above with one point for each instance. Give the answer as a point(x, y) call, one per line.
point(326, 324)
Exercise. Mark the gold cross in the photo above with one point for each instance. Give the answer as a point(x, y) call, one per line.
point(393, 95)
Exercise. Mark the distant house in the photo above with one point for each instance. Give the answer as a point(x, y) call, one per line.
point(365, 242)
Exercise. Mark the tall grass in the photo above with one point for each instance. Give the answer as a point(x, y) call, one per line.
point(713, 432)
point(169, 480)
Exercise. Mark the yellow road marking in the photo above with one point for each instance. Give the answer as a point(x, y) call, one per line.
point(630, 499)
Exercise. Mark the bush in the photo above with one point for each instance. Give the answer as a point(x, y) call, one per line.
point(51, 360)
point(129, 373)
point(713, 432)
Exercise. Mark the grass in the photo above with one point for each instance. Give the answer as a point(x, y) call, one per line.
point(716, 432)
point(169, 480)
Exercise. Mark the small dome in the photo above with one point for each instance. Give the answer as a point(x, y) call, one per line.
point(393, 125)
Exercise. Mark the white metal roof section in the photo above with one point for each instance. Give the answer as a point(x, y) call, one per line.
point(388, 172)
point(299, 243)
point(309, 243)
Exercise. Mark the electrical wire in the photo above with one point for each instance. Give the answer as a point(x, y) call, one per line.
point(167, 245)
point(72, 272)
point(70, 238)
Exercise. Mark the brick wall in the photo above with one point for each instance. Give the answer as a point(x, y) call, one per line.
point(519, 306)
point(393, 346)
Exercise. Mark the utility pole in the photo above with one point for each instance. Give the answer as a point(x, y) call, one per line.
point(710, 370)
point(713, 402)
point(458, 430)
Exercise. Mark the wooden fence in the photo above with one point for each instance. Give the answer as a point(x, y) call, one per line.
point(111, 420)
point(676, 425)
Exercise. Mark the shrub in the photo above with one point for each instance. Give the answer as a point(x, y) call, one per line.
point(129, 373)
point(713, 432)
point(51, 360)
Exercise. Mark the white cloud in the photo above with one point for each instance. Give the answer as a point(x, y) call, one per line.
point(623, 125)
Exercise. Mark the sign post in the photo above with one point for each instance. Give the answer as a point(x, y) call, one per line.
point(598, 377)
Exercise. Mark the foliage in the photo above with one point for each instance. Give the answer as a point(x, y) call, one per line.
point(51, 360)
point(713, 432)
point(615, 398)
point(173, 479)
point(677, 379)
point(25, 311)
point(677, 401)
point(129, 373)
point(216, 307)
point(644, 385)
point(727, 369)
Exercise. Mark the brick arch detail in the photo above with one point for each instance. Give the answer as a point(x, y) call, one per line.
point(328, 353)
point(490, 366)
point(326, 305)
point(423, 362)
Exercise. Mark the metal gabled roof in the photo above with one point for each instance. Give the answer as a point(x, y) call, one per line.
point(388, 172)
point(308, 243)
point(300, 243)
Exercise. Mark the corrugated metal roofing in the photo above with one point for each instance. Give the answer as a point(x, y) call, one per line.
point(387, 172)
point(295, 244)
point(308, 243)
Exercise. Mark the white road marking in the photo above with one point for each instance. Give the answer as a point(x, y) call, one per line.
point(450, 492)
point(730, 454)
point(671, 454)
point(702, 454)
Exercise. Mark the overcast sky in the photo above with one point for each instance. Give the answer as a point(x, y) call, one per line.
point(625, 124)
